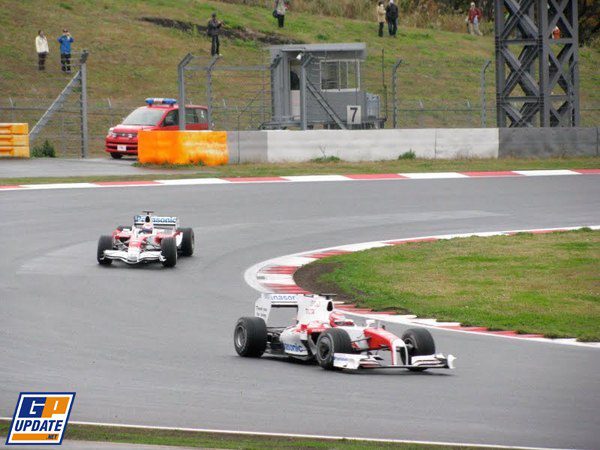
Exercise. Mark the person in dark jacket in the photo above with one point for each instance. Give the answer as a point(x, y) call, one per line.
point(213, 30)
point(391, 16)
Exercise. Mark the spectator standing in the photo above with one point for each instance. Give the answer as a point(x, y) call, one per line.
point(65, 51)
point(213, 30)
point(280, 10)
point(473, 18)
point(41, 47)
point(391, 16)
point(556, 32)
point(380, 17)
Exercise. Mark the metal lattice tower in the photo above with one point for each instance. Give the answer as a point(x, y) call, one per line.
point(537, 75)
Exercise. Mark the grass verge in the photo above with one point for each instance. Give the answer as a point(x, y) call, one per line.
point(332, 167)
point(544, 284)
point(217, 440)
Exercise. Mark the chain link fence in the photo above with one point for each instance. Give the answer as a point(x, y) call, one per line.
point(63, 130)
point(429, 113)
point(239, 98)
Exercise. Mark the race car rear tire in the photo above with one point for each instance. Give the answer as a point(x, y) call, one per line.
point(187, 241)
point(250, 337)
point(331, 341)
point(419, 342)
point(104, 243)
point(116, 155)
point(168, 248)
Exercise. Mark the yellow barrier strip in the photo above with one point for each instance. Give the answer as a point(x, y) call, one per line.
point(183, 147)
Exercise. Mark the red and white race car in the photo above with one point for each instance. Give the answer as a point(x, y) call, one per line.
point(151, 238)
point(335, 342)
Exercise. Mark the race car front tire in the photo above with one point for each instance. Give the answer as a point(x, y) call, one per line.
point(330, 342)
point(168, 248)
point(187, 241)
point(418, 342)
point(250, 337)
point(104, 243)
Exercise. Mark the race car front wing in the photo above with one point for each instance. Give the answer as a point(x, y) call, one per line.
point(134, 258)
point(369, 361)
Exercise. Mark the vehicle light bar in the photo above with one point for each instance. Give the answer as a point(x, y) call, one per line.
point(161, 101)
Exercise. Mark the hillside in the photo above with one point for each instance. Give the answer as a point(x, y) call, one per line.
point(131, 59)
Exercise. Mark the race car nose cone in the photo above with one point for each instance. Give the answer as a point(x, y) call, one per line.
point(133, 254)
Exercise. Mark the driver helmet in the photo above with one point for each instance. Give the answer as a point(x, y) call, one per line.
point(147, 227)
point(339, 320)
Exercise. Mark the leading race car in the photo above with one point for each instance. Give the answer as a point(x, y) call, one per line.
point(335, 342)
point(151, 238)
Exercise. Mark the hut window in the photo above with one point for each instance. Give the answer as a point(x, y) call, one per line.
point(340, 75)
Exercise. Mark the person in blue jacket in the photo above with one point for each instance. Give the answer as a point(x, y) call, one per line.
point(65, 51)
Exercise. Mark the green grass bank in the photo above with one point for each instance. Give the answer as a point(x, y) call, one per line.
point(545, 284)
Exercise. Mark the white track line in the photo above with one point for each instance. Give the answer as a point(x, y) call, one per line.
point(300, 436)
point(297, 179)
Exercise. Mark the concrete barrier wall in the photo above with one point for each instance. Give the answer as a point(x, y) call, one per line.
point(466, 143)
point(548, 142)
point(364, 145)
point(361, 145)
point(247, 147)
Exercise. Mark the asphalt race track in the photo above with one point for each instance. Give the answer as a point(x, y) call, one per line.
point(153, 346)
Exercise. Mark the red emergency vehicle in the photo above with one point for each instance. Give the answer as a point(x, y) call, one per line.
point(159, 114)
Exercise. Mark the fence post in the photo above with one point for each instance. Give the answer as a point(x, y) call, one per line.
point(483, 105)
point(84, 106)
point(12, 109)
point(394, 93)
point(110, 111)
point(303, 112)
point(181, 87)
point(209, 69)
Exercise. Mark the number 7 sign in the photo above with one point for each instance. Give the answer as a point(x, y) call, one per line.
point(353, 114)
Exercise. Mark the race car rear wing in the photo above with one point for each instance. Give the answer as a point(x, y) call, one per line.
point(158, 221)
point(308, 306)
point(262, 307)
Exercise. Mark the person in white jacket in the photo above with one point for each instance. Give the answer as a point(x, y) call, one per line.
point(41, 47)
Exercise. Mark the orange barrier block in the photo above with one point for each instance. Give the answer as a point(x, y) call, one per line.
point(14, 128)
point(183, 147)
point(14, 152)
point(12, 140)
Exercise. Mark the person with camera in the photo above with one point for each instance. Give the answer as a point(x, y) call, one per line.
point(213, 30)
point(65, 51)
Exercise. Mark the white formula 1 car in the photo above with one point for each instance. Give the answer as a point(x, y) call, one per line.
point(151, 238)
point(335, 342)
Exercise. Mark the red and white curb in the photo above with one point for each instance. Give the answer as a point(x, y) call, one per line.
point(301, 179)
point(277, 276)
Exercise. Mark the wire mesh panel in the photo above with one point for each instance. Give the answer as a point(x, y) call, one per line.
point(237, 96)
point(58, 118)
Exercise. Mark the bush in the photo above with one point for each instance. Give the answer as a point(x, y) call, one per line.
point(408, 155)
point(46, 150)
point(326, 159)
